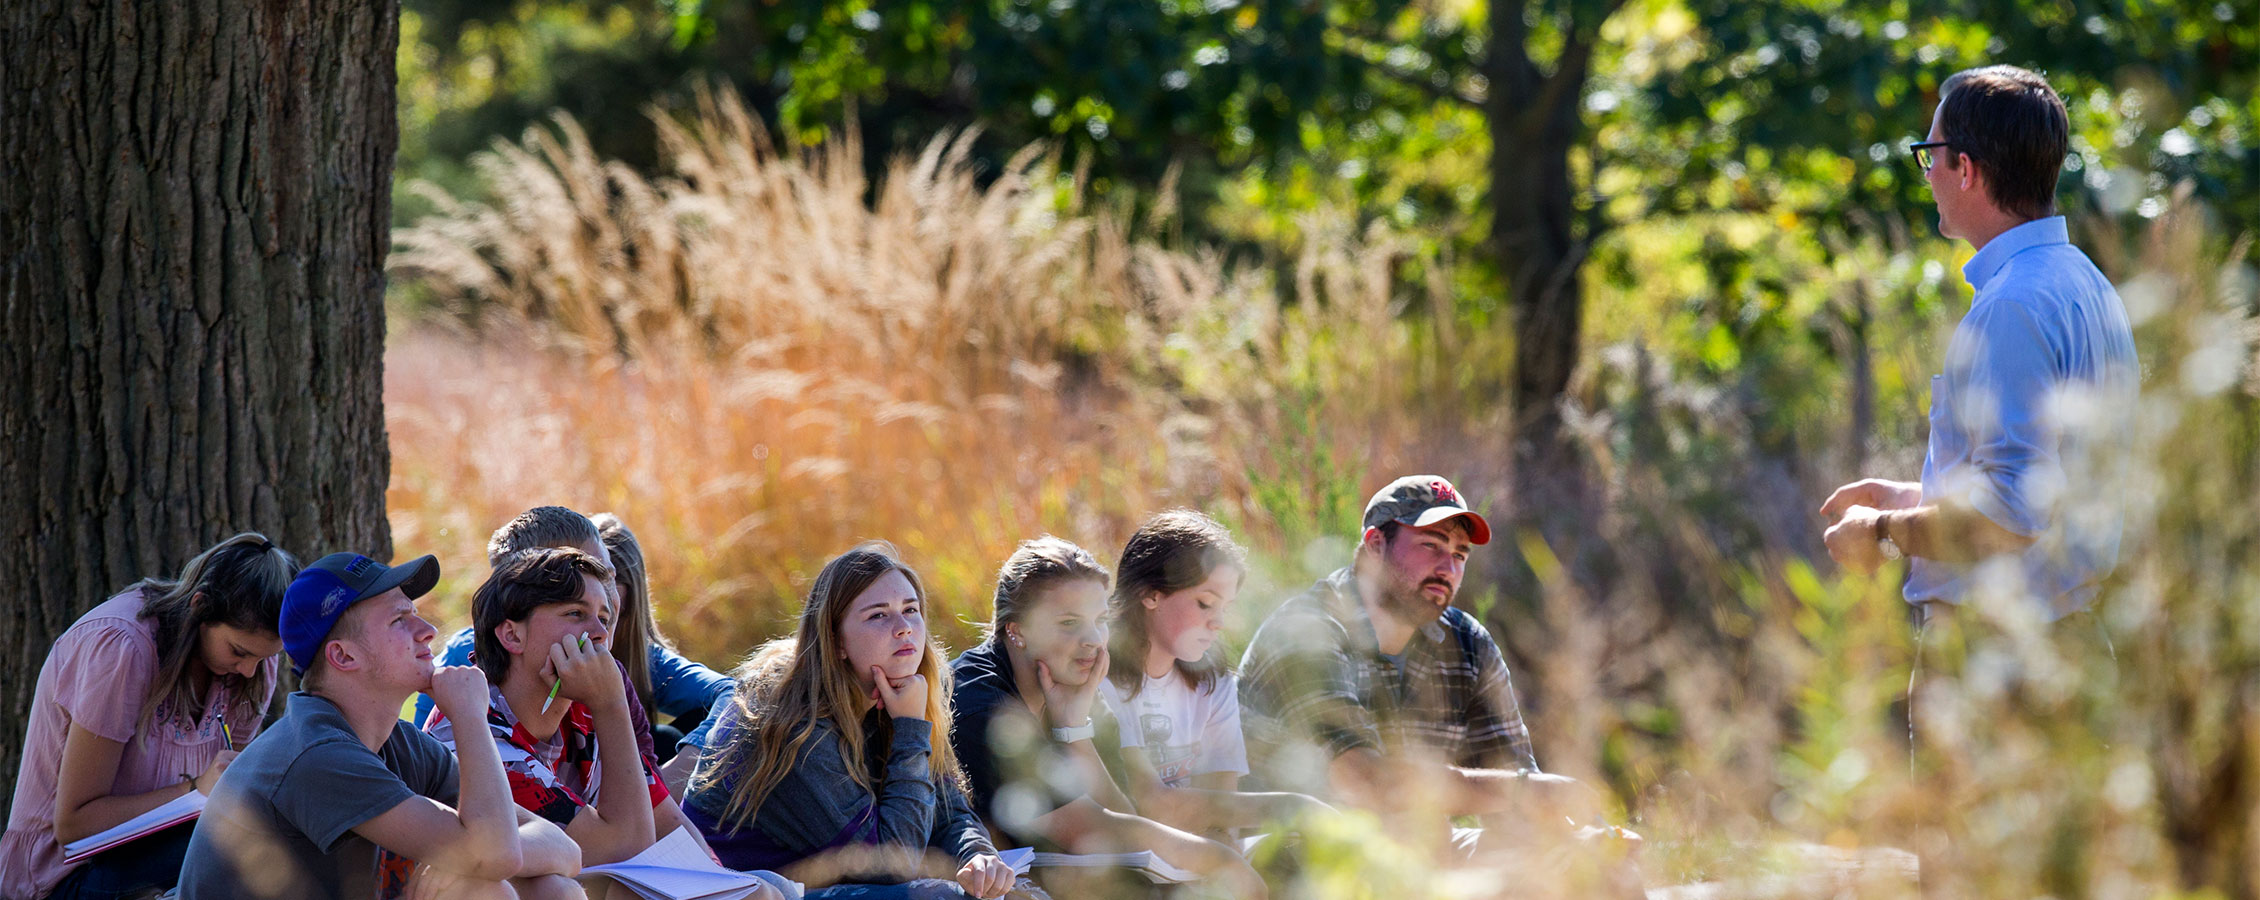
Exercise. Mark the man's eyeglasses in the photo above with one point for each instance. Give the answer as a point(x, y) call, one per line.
point(1922, 153)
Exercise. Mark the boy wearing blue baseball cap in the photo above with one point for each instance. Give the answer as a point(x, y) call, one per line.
point(342, 799)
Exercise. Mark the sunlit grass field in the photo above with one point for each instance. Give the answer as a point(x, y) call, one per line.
point(761, 359)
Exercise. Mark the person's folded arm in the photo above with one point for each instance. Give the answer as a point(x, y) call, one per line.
point(668, 817)
point(544, 848)
point(429, 832)
point(1395, 783)
point(1097, 782)
point(957, 830)
point(83, 805)
point(1308, 692)
point(1212, 804)
point(479, 837)
point(1956, 533)
point(619, 825)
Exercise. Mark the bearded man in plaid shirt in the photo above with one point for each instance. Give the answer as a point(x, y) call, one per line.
point(1371, 688)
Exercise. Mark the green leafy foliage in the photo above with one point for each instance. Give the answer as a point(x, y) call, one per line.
point(1765, 301)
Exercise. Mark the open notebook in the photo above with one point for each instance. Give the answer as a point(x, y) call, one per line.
point(179, 809)
point(1143, 862)
point(676, 869)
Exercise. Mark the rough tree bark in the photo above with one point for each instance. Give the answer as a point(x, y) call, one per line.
point(194, 204)
point(1541, 238)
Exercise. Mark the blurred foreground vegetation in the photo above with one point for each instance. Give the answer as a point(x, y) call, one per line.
point(756, 368)
point(759, 336)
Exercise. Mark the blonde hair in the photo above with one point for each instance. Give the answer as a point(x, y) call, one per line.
point(635, 628)
point(787, 685)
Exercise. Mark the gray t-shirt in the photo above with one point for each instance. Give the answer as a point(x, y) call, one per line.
point(280, 824)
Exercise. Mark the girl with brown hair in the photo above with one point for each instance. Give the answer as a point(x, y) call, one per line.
point(825, 765)
point(1025, 731)
point(1169, 686)
point(144, 699)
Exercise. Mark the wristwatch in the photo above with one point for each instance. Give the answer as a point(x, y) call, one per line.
point(1883, 539)
point(1074, 733)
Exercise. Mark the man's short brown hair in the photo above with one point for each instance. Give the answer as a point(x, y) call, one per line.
point(542, 526)
point(2011, 123)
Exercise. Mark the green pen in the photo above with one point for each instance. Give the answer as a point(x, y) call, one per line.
point(553, 686)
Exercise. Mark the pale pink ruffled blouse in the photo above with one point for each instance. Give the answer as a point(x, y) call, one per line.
point(96, 677)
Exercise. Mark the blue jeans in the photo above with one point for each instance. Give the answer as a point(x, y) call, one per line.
point(144, 866)
point(921, 889)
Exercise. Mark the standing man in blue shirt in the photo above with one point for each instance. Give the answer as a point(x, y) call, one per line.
point(2028, 420)
point(2017, 517)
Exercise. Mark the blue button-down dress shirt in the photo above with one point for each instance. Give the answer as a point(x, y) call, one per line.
point(2030, 422)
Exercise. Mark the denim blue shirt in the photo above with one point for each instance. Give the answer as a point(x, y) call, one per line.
point(678, 685)
point(2029, 421)
point(699, 737)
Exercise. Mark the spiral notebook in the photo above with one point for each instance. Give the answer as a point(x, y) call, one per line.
point(175, 811)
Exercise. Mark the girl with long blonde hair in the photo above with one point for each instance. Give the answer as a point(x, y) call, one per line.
point(830, 762)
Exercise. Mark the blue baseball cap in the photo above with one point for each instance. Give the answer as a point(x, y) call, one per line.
point(322, 593)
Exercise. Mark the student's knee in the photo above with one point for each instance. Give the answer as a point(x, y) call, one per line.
point(1138, 831)
point(436, 885)
point(547, 887)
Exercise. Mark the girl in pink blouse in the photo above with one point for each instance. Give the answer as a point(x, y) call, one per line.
point(136, 706)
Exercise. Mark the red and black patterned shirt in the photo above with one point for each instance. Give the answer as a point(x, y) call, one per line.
point(556, 777)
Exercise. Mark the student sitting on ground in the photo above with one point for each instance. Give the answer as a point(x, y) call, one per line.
point(558, 709)
point(825, 764)
point(1024, 700)
point(1168, 688)
point(303, 812)
point(1403, 700)
point(665, 681)
point(128, 714)
point(669, 684)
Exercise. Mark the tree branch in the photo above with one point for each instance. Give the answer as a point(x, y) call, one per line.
point(1439, 92)
point(1365, 46)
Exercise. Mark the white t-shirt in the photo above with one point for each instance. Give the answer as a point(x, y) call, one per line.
point(1185, 731)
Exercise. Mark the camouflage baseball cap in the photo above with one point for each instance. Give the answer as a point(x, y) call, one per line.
point(1421, 501)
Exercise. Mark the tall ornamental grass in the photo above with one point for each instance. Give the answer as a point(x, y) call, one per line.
point(760, 357)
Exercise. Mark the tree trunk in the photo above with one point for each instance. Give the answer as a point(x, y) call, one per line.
point(196, 197)
point(1859, 357)
point(1541, 244)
